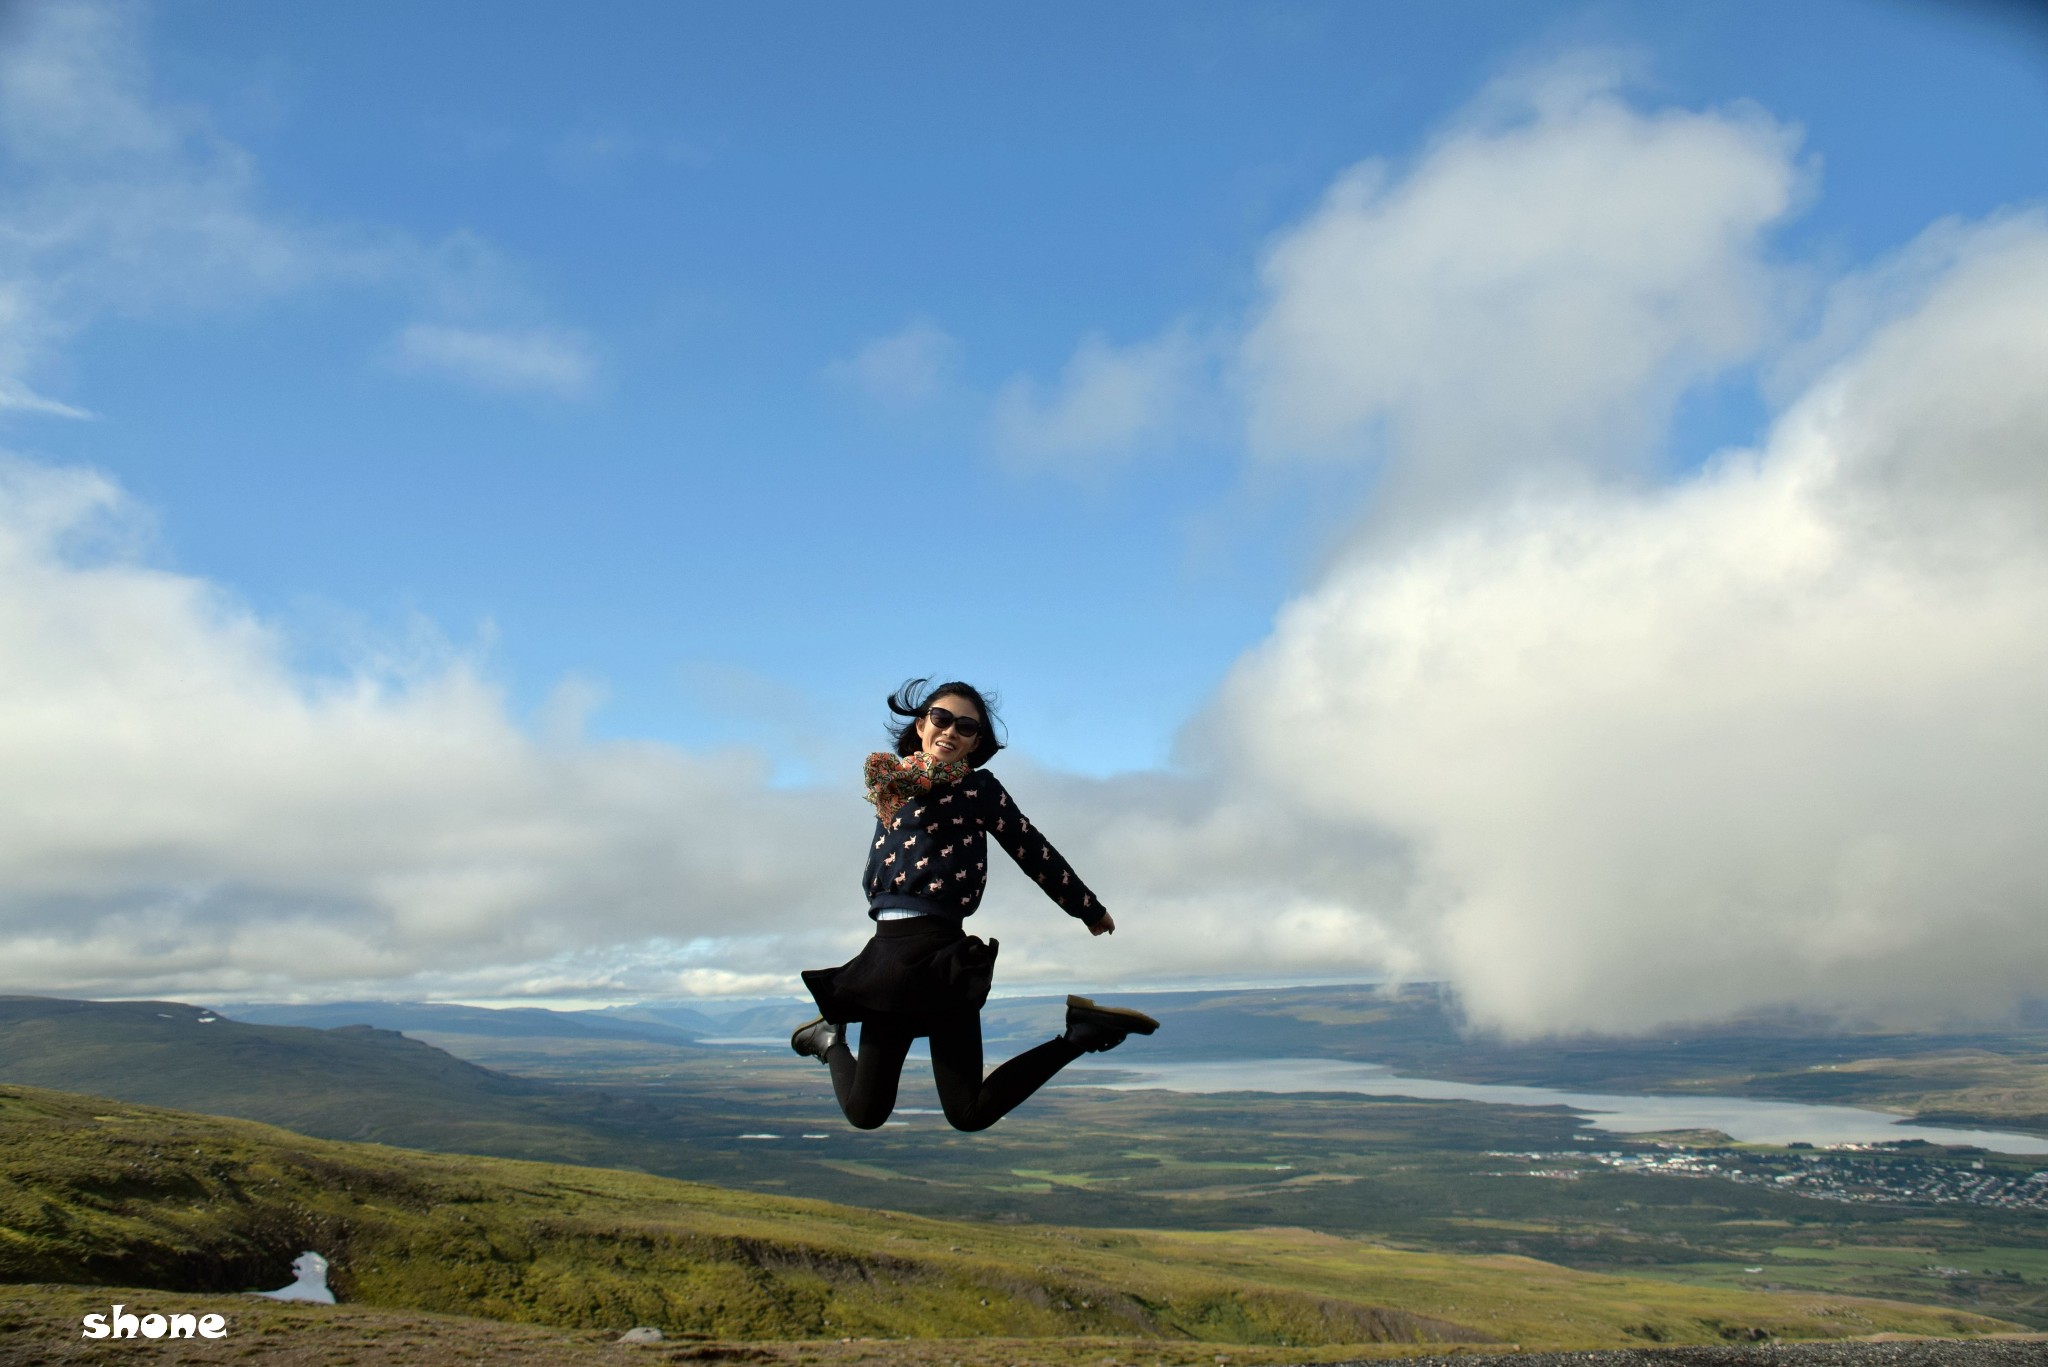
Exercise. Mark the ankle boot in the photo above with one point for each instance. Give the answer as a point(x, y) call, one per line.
point(815, 1038)
point(1093, 1029)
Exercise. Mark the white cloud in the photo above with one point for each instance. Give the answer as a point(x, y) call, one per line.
point(1527, 302)
point(76, 87)
point(1606, 759)
point(1521, 308)
point(19, 398)
point(596, 151)
point(186, 814)
point(1109, 402)
point(719, 982)
point(1774, 735)
point(1604, 754)
point(189, 816)
point(552, 362)
point(1209, 879)
point(906, 369)
point(120, 202)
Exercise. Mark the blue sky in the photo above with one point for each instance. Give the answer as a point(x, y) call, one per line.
point(720, 202)
point(687, 376)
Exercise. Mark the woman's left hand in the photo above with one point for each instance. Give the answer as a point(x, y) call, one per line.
point(1103, 926)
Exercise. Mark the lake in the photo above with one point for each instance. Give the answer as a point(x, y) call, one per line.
point(1755, 1122)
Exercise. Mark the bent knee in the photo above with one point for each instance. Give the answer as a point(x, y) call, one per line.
point(867, 1117)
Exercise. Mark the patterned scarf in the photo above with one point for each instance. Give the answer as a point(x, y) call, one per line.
point(894, 779)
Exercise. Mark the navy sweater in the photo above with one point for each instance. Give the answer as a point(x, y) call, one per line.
point(933, 855)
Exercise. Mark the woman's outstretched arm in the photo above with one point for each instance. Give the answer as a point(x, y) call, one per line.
point(996, 813)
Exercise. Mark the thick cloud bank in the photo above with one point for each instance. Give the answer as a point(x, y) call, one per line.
point(1776, 734)
point(1527, 302)
point(185, 812)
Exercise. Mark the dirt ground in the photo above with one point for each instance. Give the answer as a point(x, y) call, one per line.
point(2028, 1351)
point(41, 1326)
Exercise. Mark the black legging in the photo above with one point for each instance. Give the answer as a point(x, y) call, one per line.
point(866, 1086)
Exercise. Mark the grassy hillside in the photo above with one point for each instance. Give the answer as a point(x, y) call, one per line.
point(1422, 1175)
point(354, 1082)
point(108, 1193)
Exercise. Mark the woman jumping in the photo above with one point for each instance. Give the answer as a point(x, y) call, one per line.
point(935, 808)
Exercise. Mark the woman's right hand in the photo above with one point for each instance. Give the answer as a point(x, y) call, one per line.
point(1104, 926)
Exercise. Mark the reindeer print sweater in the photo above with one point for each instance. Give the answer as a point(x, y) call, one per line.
point(931, 855)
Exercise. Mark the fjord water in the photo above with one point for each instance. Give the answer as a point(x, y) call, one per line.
point(1741, 1119)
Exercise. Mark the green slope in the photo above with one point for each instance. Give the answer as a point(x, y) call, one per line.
point(349, 1083)
point(109, 1193)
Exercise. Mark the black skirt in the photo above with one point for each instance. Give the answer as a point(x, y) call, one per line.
point(920, 967)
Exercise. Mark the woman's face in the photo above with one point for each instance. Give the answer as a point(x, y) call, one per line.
point(949, 743)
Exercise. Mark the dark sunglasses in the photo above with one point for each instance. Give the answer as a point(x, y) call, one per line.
point(967, 727)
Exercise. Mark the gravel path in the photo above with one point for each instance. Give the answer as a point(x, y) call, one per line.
point(2028, 1352)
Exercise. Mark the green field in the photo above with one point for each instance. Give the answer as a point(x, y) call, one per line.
point(1417, 1176)
point(103, 1193)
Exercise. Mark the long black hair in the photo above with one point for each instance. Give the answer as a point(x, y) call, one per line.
point(910, 701)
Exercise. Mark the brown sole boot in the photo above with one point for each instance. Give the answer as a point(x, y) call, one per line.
point(1093, 1028)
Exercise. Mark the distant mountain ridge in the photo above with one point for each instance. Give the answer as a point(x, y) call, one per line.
point(351, 1082)
point(452, 1019)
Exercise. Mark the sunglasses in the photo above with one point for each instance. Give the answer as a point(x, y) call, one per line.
point(967, 727)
